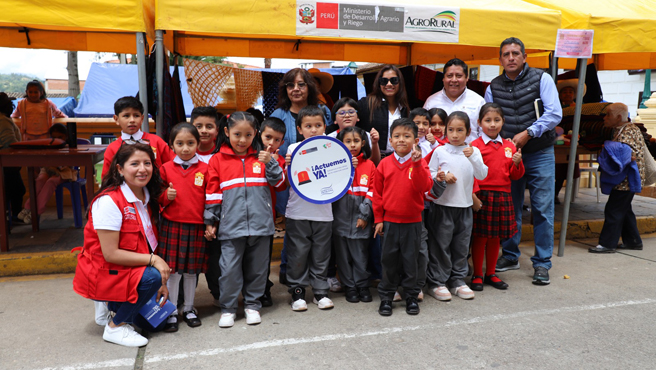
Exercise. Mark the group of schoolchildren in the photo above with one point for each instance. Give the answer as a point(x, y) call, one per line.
point(426, 200)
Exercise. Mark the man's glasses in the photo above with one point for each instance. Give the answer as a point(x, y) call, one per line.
point(350, 112)
point(384, 81)
point(292, 85)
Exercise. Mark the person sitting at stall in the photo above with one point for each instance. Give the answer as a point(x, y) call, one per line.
point(48, 179)
point(117, 263)
point(36, 112)
point(9, 133)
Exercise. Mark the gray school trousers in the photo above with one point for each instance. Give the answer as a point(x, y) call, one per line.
point(244, 263)
point(449, 233)
point(400, 255)
point(308, 254)
point(422, 262)
point(352, 256)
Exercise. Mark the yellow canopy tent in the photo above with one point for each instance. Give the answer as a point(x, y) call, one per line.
point(76, 25)
point(268, 29)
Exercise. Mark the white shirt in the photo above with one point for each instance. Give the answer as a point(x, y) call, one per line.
point(426, 146)
point(300, 209)
point(390, 119)
point(404, 158)
point(193, 160)
point(107, 216)
point(451, 158)
point(487, 139)
point(334, 134)
point(136, 136)
point(468, 102)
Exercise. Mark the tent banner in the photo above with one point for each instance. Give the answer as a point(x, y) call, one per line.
point(396, 22)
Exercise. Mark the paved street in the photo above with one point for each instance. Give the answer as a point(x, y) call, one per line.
point(599, 318)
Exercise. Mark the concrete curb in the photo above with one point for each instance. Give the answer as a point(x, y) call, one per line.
point(65, 262)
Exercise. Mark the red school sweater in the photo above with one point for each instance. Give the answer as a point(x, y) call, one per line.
point(399, 190)
point(498, 157)
point(162, 151)
point(189, 203)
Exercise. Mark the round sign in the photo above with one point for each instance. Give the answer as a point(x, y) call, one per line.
point(321, 170)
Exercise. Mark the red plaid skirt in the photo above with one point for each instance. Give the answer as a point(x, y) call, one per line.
point(182, 246)
point(497, 217)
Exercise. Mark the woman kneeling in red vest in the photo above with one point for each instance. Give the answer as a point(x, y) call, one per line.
point(117, 263)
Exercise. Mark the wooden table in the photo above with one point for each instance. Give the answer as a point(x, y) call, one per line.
point(83, 156)
point(562, 154)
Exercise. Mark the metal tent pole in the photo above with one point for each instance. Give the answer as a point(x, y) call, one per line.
point(159, 70)
point(581, 64)
point(143, 85)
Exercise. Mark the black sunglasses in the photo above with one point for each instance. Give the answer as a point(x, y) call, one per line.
point(384, 81)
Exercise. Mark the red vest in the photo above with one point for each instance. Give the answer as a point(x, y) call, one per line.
point(100, 280)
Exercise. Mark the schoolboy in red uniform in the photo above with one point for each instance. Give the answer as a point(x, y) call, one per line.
point(128, 114)
point(398, 218)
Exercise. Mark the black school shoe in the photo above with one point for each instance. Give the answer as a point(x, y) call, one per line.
point(352, 295)
point(191, 318)
point(365, 294)
point(266, 300)
point(411, 306)
point(630, 247)
point(499, 284)
point(477, 287)
point(385, 308)
point(171, 327)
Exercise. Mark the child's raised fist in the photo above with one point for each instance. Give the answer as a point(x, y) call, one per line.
point(265, 155)
point(517, 157)
point(468, 151)
point(416, 153)
point(374, 136)
point(170, 192)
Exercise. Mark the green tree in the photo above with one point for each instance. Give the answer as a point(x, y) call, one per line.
point(15, 82)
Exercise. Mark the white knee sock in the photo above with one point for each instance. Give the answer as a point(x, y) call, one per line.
point(189, 286)
point(173, 284)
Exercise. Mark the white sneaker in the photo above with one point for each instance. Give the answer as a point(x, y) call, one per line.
point(335, 285)
point(124, 336)
point(397, 297)
point(103, 315)
point(441, 293)
point(252, 317)
point(299, 305)
point(463, 292)
point(227, 320)
point(324, 302)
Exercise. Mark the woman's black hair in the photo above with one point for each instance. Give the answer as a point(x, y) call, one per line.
point(366, 149)
point(440, 112)
point(341, 103)
point(419, 112)
point(113, 178)
point(230, 121)
point(375, 98)
point(6, 105)
point(461, 116)
point(313, 91)
point(183, 126)
point(38, 85)
point(58, 127)
point(490, 107)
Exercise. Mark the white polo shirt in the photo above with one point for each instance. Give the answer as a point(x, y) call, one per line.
point(469, 102)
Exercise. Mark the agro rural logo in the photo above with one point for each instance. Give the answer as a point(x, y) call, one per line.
point(306, 13)
point(444, 22)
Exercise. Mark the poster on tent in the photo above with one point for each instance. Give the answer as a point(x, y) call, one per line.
point(574, 43)
point(321, 171)
point(368, 20)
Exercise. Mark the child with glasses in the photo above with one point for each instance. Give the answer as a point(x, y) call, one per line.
point(128, 114)
point(345, 113)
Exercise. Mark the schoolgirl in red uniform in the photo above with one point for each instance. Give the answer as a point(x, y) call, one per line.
point(496, 218)
point(182, 242)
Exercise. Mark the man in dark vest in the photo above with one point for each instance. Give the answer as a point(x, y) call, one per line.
point(530, 104)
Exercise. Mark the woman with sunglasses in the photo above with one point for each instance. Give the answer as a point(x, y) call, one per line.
point(388, 101)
